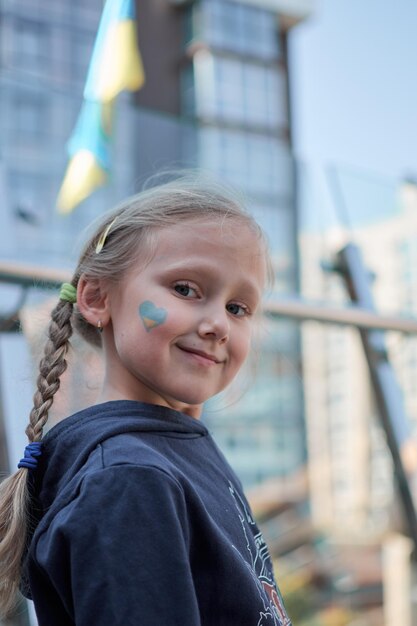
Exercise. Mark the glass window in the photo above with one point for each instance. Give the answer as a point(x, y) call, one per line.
point(30, 117)
point(268, 41)
point(255, 95)
point(240, 92)
point(277, 221)
point(261, 165)
point(269, 170)
point(265, 443)
point(235, 156)
point(238, 27)
point(229, 89)
point(31, 46)
point(276, 97)
point(82, 48)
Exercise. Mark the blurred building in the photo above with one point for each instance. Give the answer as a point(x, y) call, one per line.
point(354, 499)
point(350, 469)
point(45, 49)
point(217, 96)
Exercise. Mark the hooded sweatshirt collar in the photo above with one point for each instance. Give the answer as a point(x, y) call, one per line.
point(68, 444)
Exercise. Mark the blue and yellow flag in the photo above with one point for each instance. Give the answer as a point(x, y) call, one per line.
point(115, 65)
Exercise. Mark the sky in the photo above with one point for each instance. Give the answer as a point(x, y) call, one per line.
point(354, 101)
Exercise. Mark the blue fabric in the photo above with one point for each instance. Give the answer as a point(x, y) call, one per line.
point(32, 452)
point(91, 134)
point(142, 521)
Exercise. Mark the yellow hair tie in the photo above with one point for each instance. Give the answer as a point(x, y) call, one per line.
point(68, 293)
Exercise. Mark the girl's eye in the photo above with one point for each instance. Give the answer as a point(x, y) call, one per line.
point(185, 290)
point(237, 309)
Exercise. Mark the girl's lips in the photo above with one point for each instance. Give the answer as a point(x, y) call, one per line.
point(200, 353)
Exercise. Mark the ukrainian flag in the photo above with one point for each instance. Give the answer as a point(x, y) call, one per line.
point(115, 65)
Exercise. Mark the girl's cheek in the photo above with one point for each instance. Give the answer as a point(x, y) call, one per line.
point(152, 315)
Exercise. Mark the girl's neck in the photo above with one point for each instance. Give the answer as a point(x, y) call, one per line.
point(109, 394)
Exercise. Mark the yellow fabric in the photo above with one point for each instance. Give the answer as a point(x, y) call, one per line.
point(103, 237)
point(83, 175)
point(121, 64)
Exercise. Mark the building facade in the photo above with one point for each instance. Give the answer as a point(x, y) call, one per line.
point(216, 97)
point(353, 493)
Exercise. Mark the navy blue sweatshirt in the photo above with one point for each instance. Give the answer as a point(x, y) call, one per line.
point(142, 522)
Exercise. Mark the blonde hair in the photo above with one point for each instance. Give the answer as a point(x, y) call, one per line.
point(132, 226)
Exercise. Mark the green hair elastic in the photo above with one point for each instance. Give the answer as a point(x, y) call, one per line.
point(68, 293)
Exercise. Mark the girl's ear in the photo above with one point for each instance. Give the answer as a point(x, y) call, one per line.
point(92, 300)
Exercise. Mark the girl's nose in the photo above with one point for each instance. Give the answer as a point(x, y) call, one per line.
point(215, 325)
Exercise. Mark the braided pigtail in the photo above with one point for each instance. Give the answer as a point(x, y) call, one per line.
point(14, 493)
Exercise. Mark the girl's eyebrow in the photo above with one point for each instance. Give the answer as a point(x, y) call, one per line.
point(251, 291)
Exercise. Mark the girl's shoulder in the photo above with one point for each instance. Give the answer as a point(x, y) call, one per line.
point(108, 482)
point(132, 453)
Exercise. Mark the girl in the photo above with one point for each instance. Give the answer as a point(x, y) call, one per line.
point(126, 513)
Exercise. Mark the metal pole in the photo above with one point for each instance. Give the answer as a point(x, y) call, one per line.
point(357, 316)
point(32, 276)
point(387, 391)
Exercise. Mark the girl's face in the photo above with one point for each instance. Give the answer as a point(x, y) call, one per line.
point(179, 329)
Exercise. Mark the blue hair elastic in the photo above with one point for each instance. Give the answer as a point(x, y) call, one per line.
point(32, 452)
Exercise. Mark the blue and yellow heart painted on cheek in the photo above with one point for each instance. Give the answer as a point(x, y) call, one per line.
point(151, 315)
